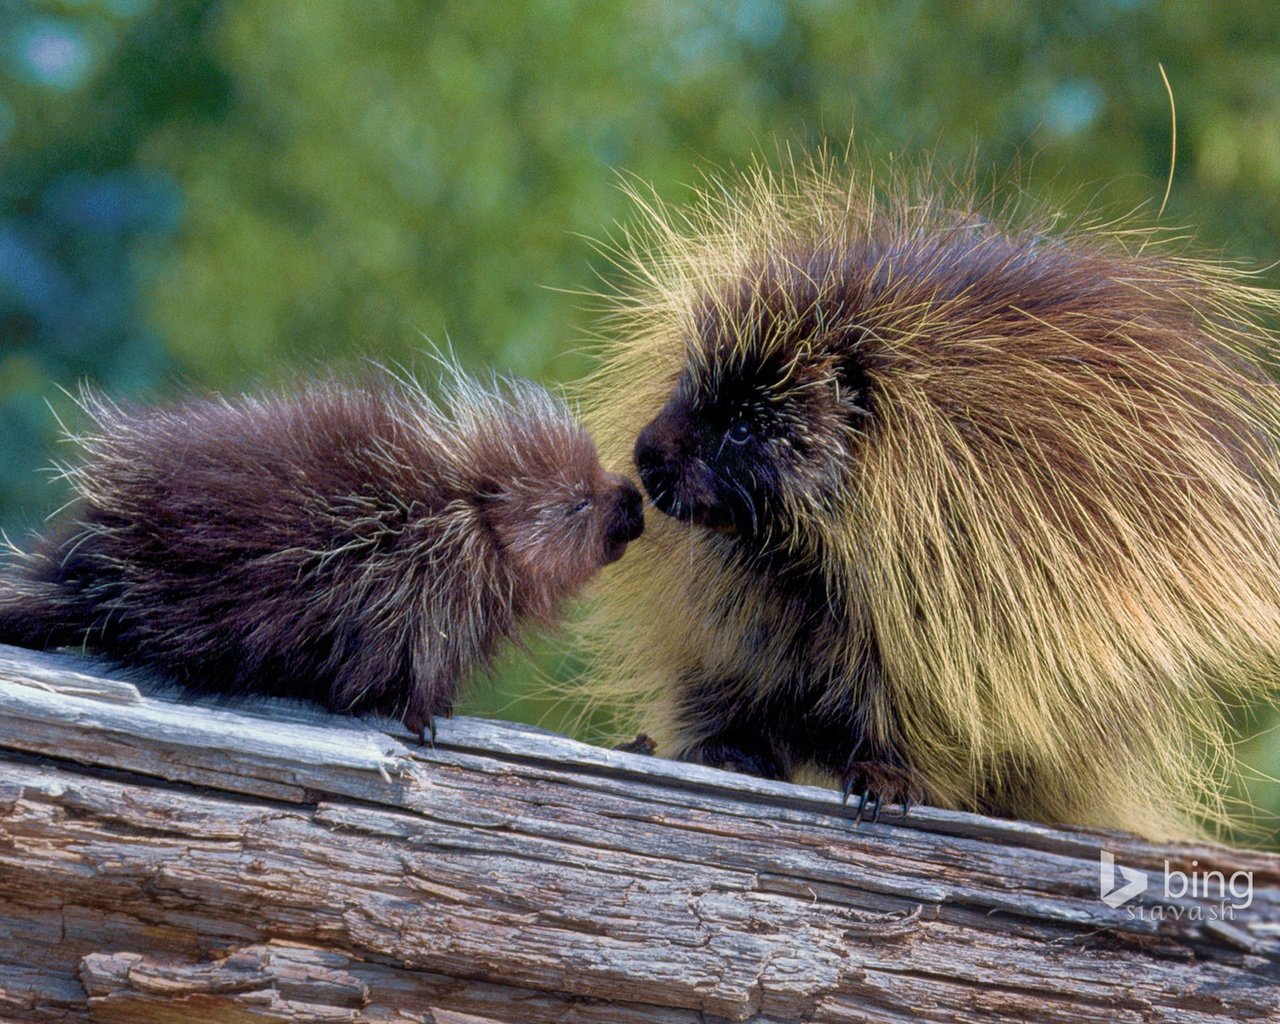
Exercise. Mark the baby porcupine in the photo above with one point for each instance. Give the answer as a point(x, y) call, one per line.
point(360, 546)
point(959, 506)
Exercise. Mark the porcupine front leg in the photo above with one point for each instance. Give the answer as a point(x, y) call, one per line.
point(430, 694)
point(876, 770)
point(423, 722)
point(411, 673)
point(420, 701)
point(714, 729)
point(853, 733)
point(737, 754)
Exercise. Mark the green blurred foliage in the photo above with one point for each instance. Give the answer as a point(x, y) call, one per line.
point(226, 192)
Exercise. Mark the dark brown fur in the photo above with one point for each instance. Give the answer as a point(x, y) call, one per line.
point(359, 547)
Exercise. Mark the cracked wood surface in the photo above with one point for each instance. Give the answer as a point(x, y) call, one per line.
point(163, 861)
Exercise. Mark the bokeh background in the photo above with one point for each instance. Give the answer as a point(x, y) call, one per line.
point(226, 193)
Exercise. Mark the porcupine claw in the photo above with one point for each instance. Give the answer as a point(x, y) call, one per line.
point(868, 799)
point(423, 725)
point(846, 791)
point(878, 781)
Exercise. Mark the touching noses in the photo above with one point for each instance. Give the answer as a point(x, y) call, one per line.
point(626, 518)
point(655, 460)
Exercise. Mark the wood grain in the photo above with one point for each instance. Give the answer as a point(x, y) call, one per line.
point(163, 861)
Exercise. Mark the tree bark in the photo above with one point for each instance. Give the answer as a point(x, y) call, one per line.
point(164, 861)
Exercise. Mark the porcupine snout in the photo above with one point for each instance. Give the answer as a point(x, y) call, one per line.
point(680, 482)
point(655, 460)
point(626, 518)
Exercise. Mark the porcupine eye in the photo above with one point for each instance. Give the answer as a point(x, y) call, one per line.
point(740, 432)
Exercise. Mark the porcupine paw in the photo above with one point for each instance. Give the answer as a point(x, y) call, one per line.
point(642, 744)
point(730, 757)
point(423, 723)
point(876, 782)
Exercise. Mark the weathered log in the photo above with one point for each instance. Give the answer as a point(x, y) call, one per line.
point(163, 861)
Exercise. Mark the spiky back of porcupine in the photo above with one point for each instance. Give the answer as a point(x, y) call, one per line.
point(1060, 530)
point(323, 541)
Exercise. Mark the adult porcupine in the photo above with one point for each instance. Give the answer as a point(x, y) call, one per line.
point(958, 505)
point(359, 546)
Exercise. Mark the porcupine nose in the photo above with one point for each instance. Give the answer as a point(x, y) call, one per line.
point(655, 463)
point(626, 519)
